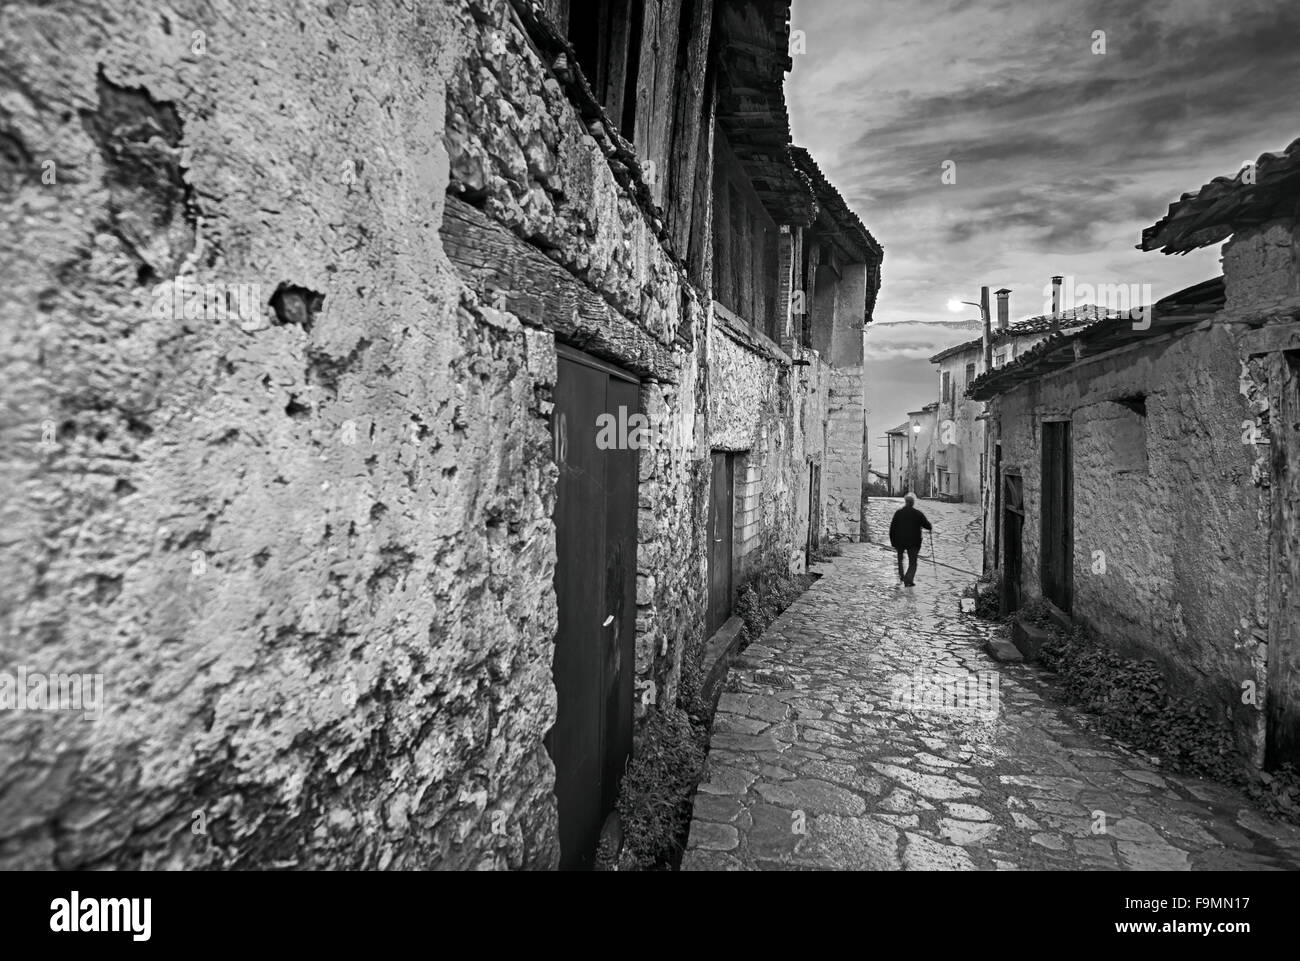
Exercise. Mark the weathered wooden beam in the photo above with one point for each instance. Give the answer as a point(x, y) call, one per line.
point(699, 251)
point(691, 112)
point(748, 269)
point(508, 273)
point(1273, 337)
point(655, 89)
point(620, 37)
point(742, 332)
point(722, 264)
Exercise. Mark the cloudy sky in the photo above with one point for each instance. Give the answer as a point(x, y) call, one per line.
point(1061, 155)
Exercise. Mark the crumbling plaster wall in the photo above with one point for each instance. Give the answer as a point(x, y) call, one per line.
point(1261, 266)
point(1183, 542)
point(312, 567)
point(309, 550)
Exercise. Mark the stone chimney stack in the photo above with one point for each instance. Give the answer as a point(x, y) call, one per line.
point(1004, 309)
point(1056, 298)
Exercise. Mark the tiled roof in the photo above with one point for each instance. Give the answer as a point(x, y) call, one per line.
point(1219, 208)
point(854, 233)
point(847, 227)
point(901, 428)
point(1072, 319)
point(1179, 310)
point(754, 39)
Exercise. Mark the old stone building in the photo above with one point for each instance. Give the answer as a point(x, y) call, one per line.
point(895, 478)
point(1144, 469)
point(922, 438)
point(311, 369)
point(959, 449)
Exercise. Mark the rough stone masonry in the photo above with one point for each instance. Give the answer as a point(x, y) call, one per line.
point(283, 290)
point(306, 641)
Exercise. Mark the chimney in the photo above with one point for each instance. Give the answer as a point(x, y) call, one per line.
point(988, 331)
point(1004, 309)
point(1056, 297)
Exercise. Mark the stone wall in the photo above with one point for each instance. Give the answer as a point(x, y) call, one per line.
point(1262, 265)
point(317, 646)
point(842, 477)
point(307, 538)
point(1262, 273)
point(309, 548)
point(1170, 559)
point(752, 410)
point(960, 436)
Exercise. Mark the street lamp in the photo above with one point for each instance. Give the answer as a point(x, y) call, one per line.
point(955, 305)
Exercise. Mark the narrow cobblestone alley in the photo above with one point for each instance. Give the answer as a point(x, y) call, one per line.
point(815, 763)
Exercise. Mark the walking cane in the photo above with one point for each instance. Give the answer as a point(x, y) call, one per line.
point(933, 562)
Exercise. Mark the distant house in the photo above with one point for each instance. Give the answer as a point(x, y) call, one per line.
point(920, 450)
point(1144, 472)
point(959, 446)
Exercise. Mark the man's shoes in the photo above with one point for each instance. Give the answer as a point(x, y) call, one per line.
point(908, 584)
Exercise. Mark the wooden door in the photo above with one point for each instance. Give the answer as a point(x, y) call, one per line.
point(997, 503)
point(1057, 543)
point(720, 539)
point(1013, 522)
point(595, 588)
point(814, 511)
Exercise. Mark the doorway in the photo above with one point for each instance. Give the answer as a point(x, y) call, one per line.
point(1013, 522)
point(996, 484)
point(721, 575)
point(814, 512)
point(595, 590)
point(1056, 574)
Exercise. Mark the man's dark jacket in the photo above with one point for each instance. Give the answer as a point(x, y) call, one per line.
point(905, 529)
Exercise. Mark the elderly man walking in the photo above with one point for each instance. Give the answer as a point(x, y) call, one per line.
point(905, 536)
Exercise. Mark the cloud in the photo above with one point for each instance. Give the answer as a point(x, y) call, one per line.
point(916, 340)
point(1062, 156)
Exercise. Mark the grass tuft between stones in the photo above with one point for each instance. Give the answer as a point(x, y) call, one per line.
point(658, 791)
point(1132, 700)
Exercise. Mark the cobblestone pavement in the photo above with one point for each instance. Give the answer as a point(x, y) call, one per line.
point(821, 757)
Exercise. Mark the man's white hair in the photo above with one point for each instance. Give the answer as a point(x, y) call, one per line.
point(909, 499)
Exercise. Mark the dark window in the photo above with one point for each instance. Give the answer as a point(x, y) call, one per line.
point(970, 373)
point(606, 36)
point(946, 392)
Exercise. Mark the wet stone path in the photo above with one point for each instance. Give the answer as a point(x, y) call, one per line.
point(867, 729)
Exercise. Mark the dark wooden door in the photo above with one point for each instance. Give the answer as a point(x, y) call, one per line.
point(814, 511)
point(620, 595)
point(1057, 567)
point(997, 504)
point(1013, 522)
point(720, 540)
point(595, 588)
